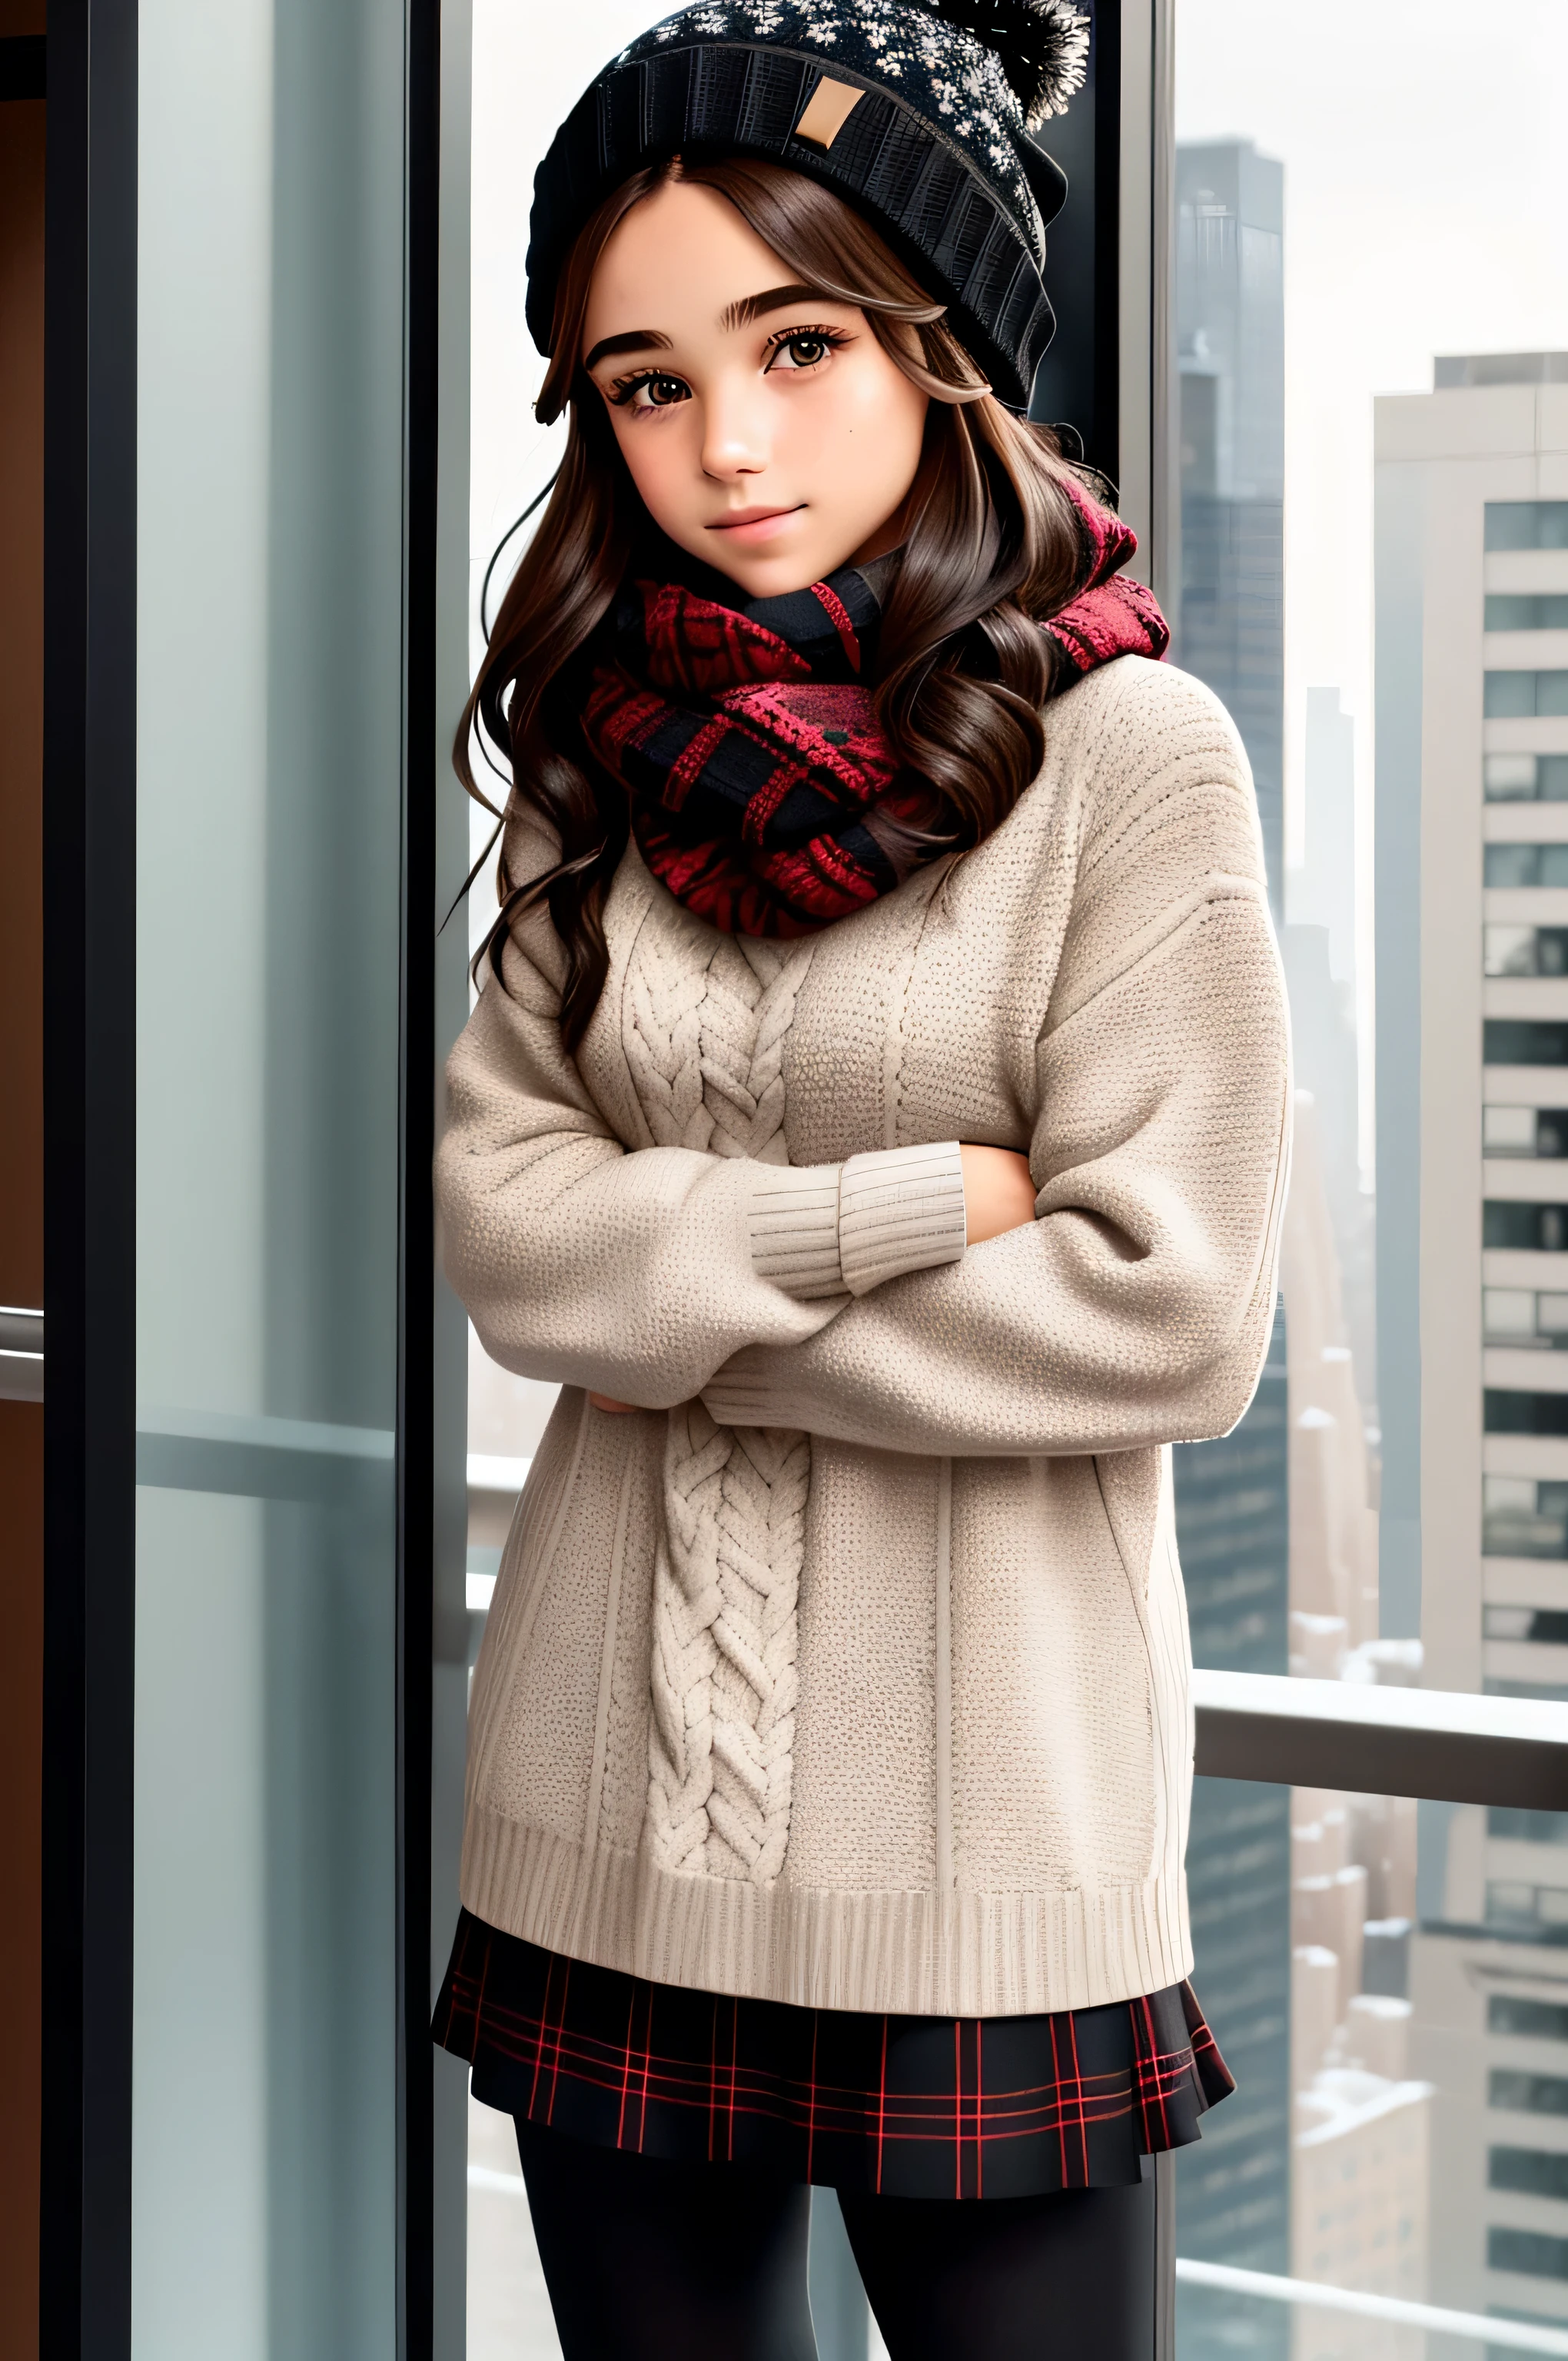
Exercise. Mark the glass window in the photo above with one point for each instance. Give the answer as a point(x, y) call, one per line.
point(1525, 950)
point(1522, 1517)
point(1416, 1456)
point(1350, 1950)
point(1509, 778)
point(1522, 612)
point(1539, 2020)
point(1508, 1410)
point(1507, 1130)
point(1528, 2094)
point(1513, 864)
point(1526, 865)
point(1509, 694)
point(1536, 2171)
point(1543, 1624)
point(1516, 696)
point(1526, 524)
point(1508, 1312)
point(270, 715)
point(1528, 2252)
point(1404, 2135)
point(1525, 778)
point(1533, 1228)
point(1525, 1040)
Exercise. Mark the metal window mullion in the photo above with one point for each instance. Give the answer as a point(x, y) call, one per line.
point(1148, 473)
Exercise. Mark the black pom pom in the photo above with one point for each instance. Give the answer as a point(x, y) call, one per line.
point(1042, 46)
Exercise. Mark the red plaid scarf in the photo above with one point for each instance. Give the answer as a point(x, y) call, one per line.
point(761, 786)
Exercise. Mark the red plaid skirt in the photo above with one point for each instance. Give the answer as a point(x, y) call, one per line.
point(897, 2106)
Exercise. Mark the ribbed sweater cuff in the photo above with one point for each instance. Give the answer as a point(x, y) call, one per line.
point(900, 1209)
point(818, 1229)
point(793, 1223)
point(742, 1394)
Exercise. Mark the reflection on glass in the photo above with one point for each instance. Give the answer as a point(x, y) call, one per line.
point(1525, 778)
point(1371, 410)
point(269, 821)
point(1426, 2153)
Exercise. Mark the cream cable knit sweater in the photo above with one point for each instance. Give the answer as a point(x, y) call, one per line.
point(852, 1670)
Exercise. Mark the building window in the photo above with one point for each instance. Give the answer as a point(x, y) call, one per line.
point(1544, 2020)
point(1524, 1131)
point(1525, 865)
point(1526, 1040)
point(1509, 1411)
point(1526, 524)
point(1534, 2171)
point(1546, 1624)
point(1530, 2252)
point(1522, 1517)
point(1542, 1912)
point(1526, 778)
point(1524, 950)
point(1527, 612)
point(1520, 1228)
point(1522, 696)
point(1527, 2095)
point(1522, 1315)
point(1533, 2020)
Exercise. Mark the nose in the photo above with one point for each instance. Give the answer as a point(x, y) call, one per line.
point(734, 436)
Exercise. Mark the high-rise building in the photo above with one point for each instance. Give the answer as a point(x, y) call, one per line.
point(1322, 891)
point(1232, 2196)
point(1230, 303)
point(1471, 884)
point(1233, 1511)
point(1319, 949)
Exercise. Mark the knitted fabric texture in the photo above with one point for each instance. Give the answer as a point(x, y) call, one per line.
point(935, 147)
point(705, 1047)
point(763, 786)
point(897, 1719)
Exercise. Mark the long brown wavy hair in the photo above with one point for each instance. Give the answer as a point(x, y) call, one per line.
point(962, 671)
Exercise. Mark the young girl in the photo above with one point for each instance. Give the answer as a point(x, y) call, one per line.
point(874, 1119)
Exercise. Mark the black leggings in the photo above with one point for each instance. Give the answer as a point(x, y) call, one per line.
point(651, 2261)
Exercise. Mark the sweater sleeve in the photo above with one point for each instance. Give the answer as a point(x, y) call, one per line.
point(1135, 1308)
point(638, 1272)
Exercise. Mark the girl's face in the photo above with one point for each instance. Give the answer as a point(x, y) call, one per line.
point(766, 429)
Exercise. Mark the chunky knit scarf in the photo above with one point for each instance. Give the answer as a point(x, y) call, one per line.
point(763, 793)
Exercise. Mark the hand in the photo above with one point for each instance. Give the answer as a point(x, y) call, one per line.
point(999, 1193)
point(603, 1401)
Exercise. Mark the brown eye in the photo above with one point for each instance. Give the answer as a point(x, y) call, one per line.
point(802, 352)
point(655, 391)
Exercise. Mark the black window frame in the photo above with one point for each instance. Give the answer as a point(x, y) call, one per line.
point(1254, 1728)
point(89, 790)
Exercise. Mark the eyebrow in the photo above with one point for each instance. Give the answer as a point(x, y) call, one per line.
point(631, 340)
point(739, 314)
point(774, 299)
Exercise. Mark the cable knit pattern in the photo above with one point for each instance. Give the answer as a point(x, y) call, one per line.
point(705, 1041)
point(894, 1718)
point(726, 1583)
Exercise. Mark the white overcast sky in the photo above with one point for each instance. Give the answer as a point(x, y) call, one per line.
point(1426, 179)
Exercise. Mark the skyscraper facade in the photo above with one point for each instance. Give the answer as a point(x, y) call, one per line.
point(1472, 726)
point(1233, 1496)
point(1229, 304)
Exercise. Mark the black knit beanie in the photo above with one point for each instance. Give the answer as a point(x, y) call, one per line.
point(919, 117)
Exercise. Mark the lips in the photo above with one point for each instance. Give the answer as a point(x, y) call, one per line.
point(738, 517)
